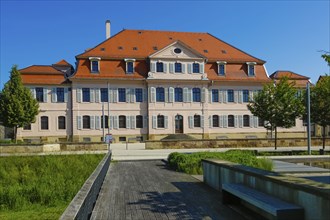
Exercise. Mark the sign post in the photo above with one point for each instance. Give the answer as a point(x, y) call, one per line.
point(108, 140)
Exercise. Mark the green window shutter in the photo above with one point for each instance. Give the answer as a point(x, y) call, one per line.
point(240, 96)
point(133, 123)
point(97, 122)
point(171, 67)
point(154, 121)
point(127, 94)
point(97, 95)
point(210, 95)
point(115, 122)
point(201, 68)
point(166, 122)
point(251, 121)
point(256, 121)
point(240, 121)
point(171, 94)
point(189, 97)
point(111, 122)
point(189, 68)
point(225, 121)
point(115, 95)
point(78, 95)
point(202, 121)
point(221, 121)
point(132, 95)
point(152, 94)
point(185, 94)
point(183, 67)
point(235, 96)
point(152, 67)
point(79, 124)
point(203, 95)
point(166, 94)
point(92, 121)
point(191, 121)
point(165, 67)
point(128, 122)
point(221, 96)
point(54, 95)
point(92, 95)
point(110, 95)
point(45, 90)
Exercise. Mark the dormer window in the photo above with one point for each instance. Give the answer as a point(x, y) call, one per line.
point(196, 68)
point(160, 67)
point(221, 68)
point(251, 68)
point(178, 67)
point(95, 64)
point(129, 65)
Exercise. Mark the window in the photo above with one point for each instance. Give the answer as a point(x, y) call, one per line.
point(129, 67)
point(40, 94)
point(221, 68)
point(231, 121)
point(215, 95)
point(139, 121)
point(177, 50)
point(246, 121)
point(122, 121)
point(104, 95)
point(251, 69)
point(196, 68)
point(197, 121)
point(160, 121)
point(245, 95)
point(178, 95)
point(178, 67)
point(95, 66)
point(121, 94)
point(61, 122)
point(44, 123)
point(138, 95)
point(86, 94)
point(60, 94)
point(27, 127)
point(159, 67)
point(160, 94)
point(215, 120)
point(196, 94)
point(106, 121)
point(230, 95)
point(86, 122)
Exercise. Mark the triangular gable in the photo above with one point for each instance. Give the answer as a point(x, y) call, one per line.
point(63, 63)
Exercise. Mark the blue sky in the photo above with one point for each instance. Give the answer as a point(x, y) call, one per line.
point(286, 34)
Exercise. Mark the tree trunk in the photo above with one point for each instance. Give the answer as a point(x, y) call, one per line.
point(275, 138)
point(323, 138)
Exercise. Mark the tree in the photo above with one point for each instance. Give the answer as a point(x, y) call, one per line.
point(277, 104)
point(320, 104)
point(17, 106)
point(326, 57)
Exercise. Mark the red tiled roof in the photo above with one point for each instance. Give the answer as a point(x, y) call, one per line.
point(299, 80)
point(63, 63)
point(38, 74)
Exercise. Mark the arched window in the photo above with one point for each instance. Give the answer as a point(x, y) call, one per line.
point(215, 120)
point(44, 122)
point(86, 122)
point(160, 67)
point(231, 121)
point(160, 94)
point(61, 122)
point(106, 121)
point(122, 121)
point(197, 121)
point(160, 121)
point(196, 94)
point(246, 121)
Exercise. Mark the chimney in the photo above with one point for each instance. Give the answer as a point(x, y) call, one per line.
point(107, 29)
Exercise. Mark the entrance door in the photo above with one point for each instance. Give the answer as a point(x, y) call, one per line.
point(178, 124)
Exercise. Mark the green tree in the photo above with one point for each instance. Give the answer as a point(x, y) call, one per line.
point(326, 57)
point(17, 106)
point(277, 104)
point(320, 104)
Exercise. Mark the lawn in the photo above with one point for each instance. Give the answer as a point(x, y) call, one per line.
point(41, 187)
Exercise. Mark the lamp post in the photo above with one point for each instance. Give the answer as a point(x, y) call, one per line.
point(308, 119)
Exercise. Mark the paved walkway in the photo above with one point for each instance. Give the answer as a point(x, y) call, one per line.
point(149, 190)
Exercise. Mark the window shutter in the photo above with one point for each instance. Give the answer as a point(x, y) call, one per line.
point(128, 122)
point(221, 121)
point(33, 92)
point(152, 94)
point(171, 94)
point(203, 95)
point(165, 67)
point(92, 118)
point(240, 121)
point(78, 94)
point(235, 121)
point(92, 95)
point(210, 95)
point(240, 96)
point(166, 122)
point(110, 95)
point(235, 96)
point(145, 121)
point(210, 121)
point(154, 121)
point(225, 98)
point(97, 122)
point(79, 122)
point(45, 90)
point(189, 68)
point(115, 95)
point(54, 95)
point(183, 67)
point(221, 96)
point(225, 121)
point(189, 95)
point(152, 67)
point(171, 67)
point(111, 122)
point(115, 122)
point(251, 95)
point(185, 94)
point(97, 95)
point(145, 95)
point(65, 94)
point(251, 121)
point(201, 68)
point(133, 125)
point(127, 94)
point(166, 94)
point(191, 121)
point(132, 91)
point(256, 121)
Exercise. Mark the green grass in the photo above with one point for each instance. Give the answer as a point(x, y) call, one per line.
point(40, 187)
point(192, 163)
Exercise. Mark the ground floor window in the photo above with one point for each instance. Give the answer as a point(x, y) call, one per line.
point(197, 121)
point(86, 122)
point(160, 121)
point(139, 121)
point(246, 121)
point(231, 121)
point(61, 122)
point(44, 123)
point(106, 121)
point(122, 121)
point(215, 120)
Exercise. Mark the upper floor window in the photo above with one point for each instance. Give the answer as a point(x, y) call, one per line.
point(86, 122)
point(246, 121)
point(60, 94)
point(122, 121)
point(215, 95)
point(230, 95)
point(196, 68)
point(138, 95)
point(231, 121)
point(160, 67)
point(121, 94)
point(221, 68)
point(95, 64)
point(245, 95)
point(139, 121)
point(104, 95)
point(215, 120)
point(160, 94)
point(44, 122)
point(129, 65)
point(40, 94)
point(196, 94)
point(160, 121)
point(178, 95)
point(178, 67)
point(86, 97)
point(251, 68)
point(61, 122)
point(197, 121)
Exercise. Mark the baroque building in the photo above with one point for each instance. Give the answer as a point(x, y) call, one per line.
point(149, 84)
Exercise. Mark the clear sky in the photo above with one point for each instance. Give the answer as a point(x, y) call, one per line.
point(289, 34)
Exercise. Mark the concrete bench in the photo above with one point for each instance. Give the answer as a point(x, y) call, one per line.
point(276, 208)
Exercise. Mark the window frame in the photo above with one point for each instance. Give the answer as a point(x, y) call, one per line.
point(129, 63)
point(86, 122)
point(246, 120)
point(106, 121)
point(196, 67)
point(221, 68)
point(44, 126)
point(231, 121)
point(196, 94)
point(59, 122)
point(160, 94)
point(122, 121)
point(178, 94)
point(40, 94)
point(246, 95)
point(215, 95)
point(160, 121)
point(94, 60)
point(249, 70)
point(122, 95)
point(178, 67)
point(86, 94)
point(139, 121)
point(159, 67)
point(197, 121)
point(104, 94)
point(138, 95)
point(60, 96)
point(230, 95)
point(215, 121)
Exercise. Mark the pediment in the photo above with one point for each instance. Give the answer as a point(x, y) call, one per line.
point(177, 50)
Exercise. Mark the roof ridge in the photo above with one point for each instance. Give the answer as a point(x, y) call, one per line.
point(165, 31)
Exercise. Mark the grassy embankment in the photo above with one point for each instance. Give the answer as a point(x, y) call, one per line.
point(192, 163)
point(41, 187)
